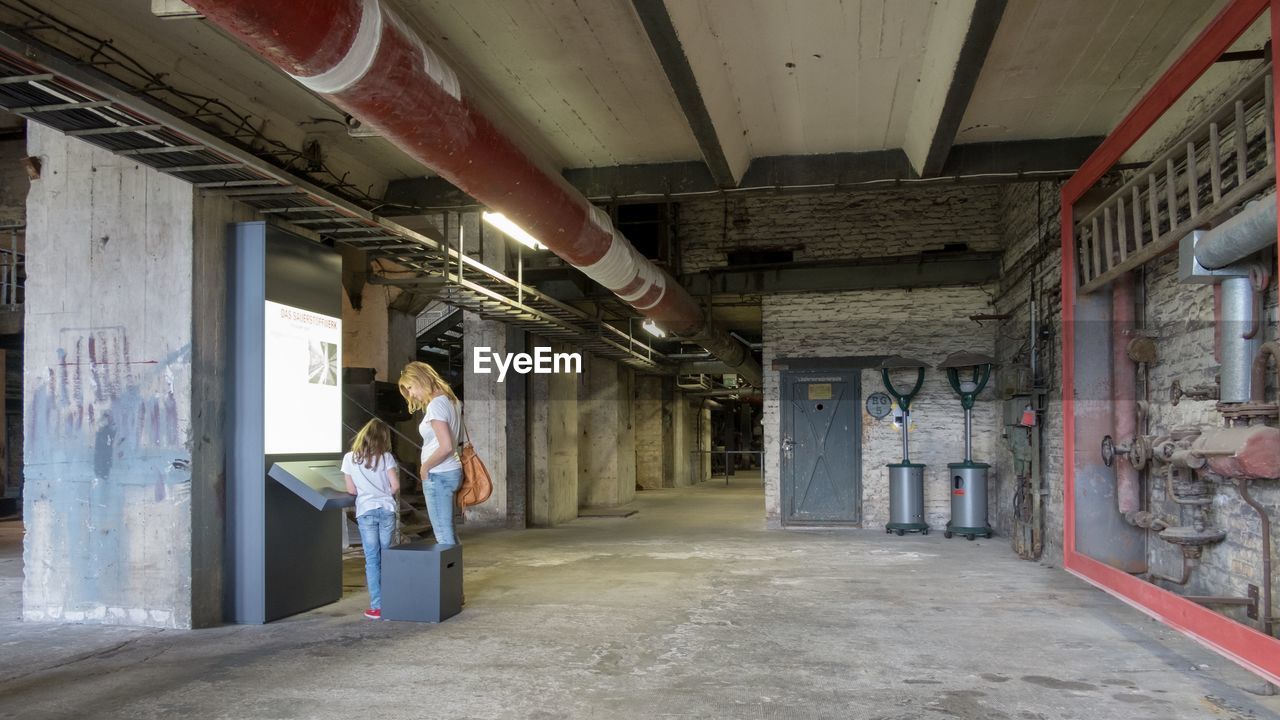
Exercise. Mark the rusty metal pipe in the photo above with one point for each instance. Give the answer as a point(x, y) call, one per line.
point(1266, 620)
point(1124, 388)
point(361, 56)
point(1187, 564)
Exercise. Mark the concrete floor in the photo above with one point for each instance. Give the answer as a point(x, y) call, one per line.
point(688, 609)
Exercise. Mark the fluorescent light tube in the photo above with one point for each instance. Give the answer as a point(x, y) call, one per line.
point(512, 230)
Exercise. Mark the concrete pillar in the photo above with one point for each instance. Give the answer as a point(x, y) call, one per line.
point(552, 445)
point(123, 392)
point(652, 452)
point(494, 411)
point(704, 440)
point(376, 335)
point(626, 435)
point(670, 455)
point(606, 446)
point(366, 333)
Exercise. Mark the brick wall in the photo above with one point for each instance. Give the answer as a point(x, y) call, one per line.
point(925, 324)
point(840, 226)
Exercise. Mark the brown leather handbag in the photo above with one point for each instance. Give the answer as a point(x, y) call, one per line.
point(476, 486)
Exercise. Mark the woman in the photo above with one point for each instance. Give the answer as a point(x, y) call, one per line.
point(441, 472)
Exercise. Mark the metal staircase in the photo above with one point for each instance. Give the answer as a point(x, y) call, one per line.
point(440, 328)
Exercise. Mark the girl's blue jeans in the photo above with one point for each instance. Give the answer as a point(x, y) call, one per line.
point(376, 527)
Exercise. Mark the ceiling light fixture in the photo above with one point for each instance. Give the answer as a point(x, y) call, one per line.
point(653, 328)
point(512, 230)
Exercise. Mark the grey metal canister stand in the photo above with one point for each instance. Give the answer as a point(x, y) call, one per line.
point(968, 478)
point(906, 479)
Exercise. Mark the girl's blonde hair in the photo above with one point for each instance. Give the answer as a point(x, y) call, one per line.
point(424, 377)
point(371, 444)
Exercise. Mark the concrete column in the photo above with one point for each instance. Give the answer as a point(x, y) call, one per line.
point(366, 332)
point(704, 441)
point(626, 435)
point(123, 392)
point(552, 445)
point(494, 411)
point(652, 452)
point(670, 455)
point(606, 447)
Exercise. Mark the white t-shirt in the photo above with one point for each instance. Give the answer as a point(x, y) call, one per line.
point(373, 485)
point(439, 409)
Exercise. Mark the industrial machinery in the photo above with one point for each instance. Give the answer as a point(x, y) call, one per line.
point(968, 478)
point(906, 479)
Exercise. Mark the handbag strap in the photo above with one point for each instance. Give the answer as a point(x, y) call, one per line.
point(462, 414)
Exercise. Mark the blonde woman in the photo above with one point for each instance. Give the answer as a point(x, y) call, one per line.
point(441, 472)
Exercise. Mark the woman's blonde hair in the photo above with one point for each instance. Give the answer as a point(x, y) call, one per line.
point(424, 377)
point(371, 444)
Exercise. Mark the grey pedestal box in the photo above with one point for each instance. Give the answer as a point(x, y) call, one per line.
point(421, 581)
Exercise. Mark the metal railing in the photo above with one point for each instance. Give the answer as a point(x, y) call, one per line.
point(696, 463)
point(1221, 162)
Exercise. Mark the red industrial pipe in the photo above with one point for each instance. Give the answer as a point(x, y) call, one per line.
point(363, 57)
point(1124, 390)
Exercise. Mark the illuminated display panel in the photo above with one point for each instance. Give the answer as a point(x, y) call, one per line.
point(302, 377)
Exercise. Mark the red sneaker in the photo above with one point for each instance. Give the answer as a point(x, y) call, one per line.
point(373, 613)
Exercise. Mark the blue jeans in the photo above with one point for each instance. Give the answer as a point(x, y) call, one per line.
point(375, 534)
point(440, 489)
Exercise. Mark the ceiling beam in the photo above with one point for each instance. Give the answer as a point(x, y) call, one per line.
point(1019, 160)
point(913, 271)
point(960, 36)
point(709, 108)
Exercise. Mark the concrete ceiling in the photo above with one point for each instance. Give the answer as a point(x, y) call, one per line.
point(684, 95)
point(581, 75)
point(1072, 69)
point(810, 77)
point(636, 97)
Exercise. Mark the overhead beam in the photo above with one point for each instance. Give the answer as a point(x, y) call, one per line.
point(959, 38)
point(720, 139)
point(795, 173)
point(915, 271)
point(1060, 156)
point(719, 135)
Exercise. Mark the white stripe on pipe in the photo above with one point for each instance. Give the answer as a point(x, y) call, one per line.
point(600, 219)
point(618, 266)
point(359, 57)
point(436, 68)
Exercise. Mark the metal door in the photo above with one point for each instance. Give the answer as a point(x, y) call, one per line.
point(821, 448)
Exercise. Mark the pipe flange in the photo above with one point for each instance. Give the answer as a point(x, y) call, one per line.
point(1249, 411)
point(1139, 452)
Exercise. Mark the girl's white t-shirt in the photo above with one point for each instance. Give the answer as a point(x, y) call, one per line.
point(373, 485)
point(440, 409)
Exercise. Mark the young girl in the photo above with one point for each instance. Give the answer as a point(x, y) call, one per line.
point(370, 472)
point(424, 389)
